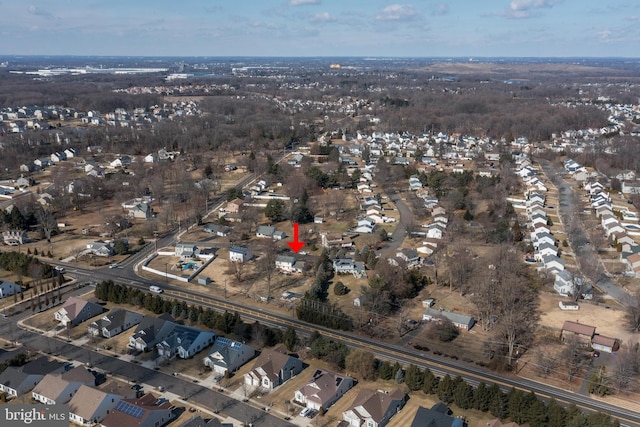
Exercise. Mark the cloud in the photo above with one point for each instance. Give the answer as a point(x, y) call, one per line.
point(322, 17)
point(302, 2)
point(440, 9)
point(34, 10)
point(631, 18)
point(521, 9)
point(397, 12)
point(531, 4)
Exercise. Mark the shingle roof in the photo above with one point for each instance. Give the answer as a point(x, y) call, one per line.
point(578, 328)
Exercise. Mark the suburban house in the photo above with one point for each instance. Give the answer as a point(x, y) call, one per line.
point(336, 240)
point(349, 266)
point(14, 237)
point(269, 232)
point(186, 250)
point(217, 230)
point(184, 342)
point(606, 344)
point(583, 333)
point(145, 411)
point(273, 368)
point(374, 408)
point(323, 390)
point(151, 331)
point(435, 230)
point(100, 248)
point(116, 321)
point(59, 388)
point(545, 249)
point(17, 380)
point(90, 405)
point(234, 206)
point(633, 264)
point(410, 256)
point(142, 210)
point(563, 283)
point(8, 289)
point(552, 263)
point(76, 310)
point(438, 416)
point(240, 254)
point(227, 356)
point(289, 264)
point(461, 321)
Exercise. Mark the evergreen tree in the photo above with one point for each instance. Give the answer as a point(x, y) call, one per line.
point(497, 406)
point(515, 406)
point(430, 382)
point(413, 377)
point(385, 370)
point(481, 397)
point(557, 415)
point(536, 412)
point(446, 389)
point(290, 339)
point(575, 417)
point(462, 394)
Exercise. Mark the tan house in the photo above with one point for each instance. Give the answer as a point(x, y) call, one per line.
point(90, 406)
point(374, 408)
point(58, 389)
point(323, 390)
point(234, 206)
point(273, 368)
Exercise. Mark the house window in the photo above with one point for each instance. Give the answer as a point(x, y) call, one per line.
point(370, 424)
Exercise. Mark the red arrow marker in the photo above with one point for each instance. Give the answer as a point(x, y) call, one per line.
point(295, 245)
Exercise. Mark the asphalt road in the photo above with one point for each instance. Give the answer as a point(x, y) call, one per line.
point(398, 235)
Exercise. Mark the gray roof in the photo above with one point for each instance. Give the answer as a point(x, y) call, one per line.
point(13, 376)
point(198, 421)
point(457, 318)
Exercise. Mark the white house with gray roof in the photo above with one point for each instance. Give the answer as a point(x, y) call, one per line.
point(228, 356)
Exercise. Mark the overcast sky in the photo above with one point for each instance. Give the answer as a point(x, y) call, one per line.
point(392, 28)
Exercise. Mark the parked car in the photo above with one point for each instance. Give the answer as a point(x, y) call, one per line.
point(305, 412)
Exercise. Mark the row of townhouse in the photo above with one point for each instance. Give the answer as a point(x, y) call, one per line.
point(546, 252)
point(620, 226)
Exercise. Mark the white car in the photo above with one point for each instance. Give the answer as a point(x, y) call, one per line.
point(305, 412)
point(115, 265)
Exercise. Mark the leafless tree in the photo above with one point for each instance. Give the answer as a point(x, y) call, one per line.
point(626, 368)
point(267, 264)
point(48, 221)
point(575, 357)
point(546, 363)
point(632, 313)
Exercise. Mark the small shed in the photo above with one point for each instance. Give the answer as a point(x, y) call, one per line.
point(204, 280)
point(568, 305)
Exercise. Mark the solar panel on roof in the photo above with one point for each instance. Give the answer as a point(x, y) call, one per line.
point(129, 409)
